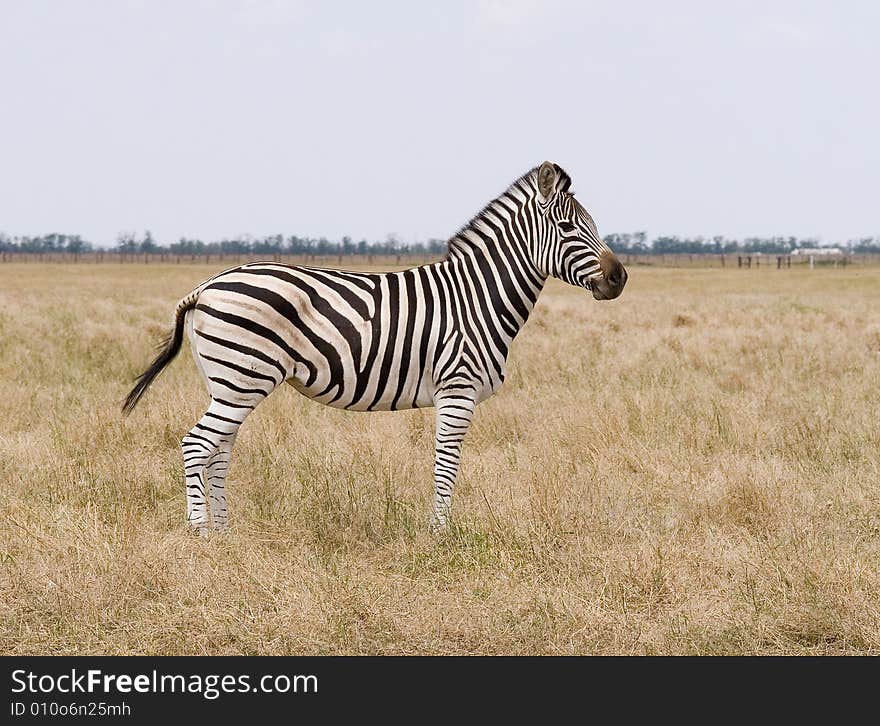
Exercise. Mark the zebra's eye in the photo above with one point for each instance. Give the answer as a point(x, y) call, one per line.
point(566, 226)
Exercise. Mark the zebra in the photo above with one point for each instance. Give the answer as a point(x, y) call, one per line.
point(435, 335)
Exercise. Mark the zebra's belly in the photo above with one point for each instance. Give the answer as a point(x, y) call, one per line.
point(392, 398)
point(368, 392)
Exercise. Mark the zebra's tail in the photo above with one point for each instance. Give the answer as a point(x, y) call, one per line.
point(169, 348)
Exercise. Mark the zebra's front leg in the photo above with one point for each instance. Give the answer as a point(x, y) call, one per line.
point(454, 414)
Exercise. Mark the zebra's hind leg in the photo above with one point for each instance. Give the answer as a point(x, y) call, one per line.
point(454, 413)
point(216, 472)
point(206, 449)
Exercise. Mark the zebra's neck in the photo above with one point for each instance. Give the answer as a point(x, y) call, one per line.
point(493, 257)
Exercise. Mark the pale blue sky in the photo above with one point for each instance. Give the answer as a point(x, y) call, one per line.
point(212, 119)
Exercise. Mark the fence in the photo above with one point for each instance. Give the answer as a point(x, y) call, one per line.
point(743, 261)
point(167, 258)
point(739, 261)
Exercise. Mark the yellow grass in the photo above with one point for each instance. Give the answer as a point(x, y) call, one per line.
point(693, 468)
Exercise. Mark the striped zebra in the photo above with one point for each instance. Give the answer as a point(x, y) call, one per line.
point(436, 335)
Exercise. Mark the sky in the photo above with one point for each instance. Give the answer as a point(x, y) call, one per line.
point(369, 119)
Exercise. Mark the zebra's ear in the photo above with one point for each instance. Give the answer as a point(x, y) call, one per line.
point(547, 180)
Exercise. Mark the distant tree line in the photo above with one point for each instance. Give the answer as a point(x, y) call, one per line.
point(277, 244)
point(72, 243)
point(635, 243)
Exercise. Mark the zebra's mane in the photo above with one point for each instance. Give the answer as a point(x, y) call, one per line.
point(527, 183)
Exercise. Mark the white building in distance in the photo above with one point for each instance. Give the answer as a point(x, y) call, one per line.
point(818, 251)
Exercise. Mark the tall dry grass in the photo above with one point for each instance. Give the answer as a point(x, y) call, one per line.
point(694, 468)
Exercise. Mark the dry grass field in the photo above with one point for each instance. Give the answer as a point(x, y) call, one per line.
point(693, 468)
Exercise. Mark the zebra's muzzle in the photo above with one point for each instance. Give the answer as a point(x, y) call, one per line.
point(613, 279)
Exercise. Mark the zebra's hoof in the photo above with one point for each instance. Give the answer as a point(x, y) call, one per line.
point(438, 527)
point(197, 530)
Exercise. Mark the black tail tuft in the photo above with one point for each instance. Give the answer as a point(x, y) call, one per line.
point(169, 348)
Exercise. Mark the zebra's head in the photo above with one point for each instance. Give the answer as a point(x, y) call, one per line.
point(570, 247)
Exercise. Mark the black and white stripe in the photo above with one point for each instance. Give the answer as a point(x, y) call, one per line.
point(436, 335)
